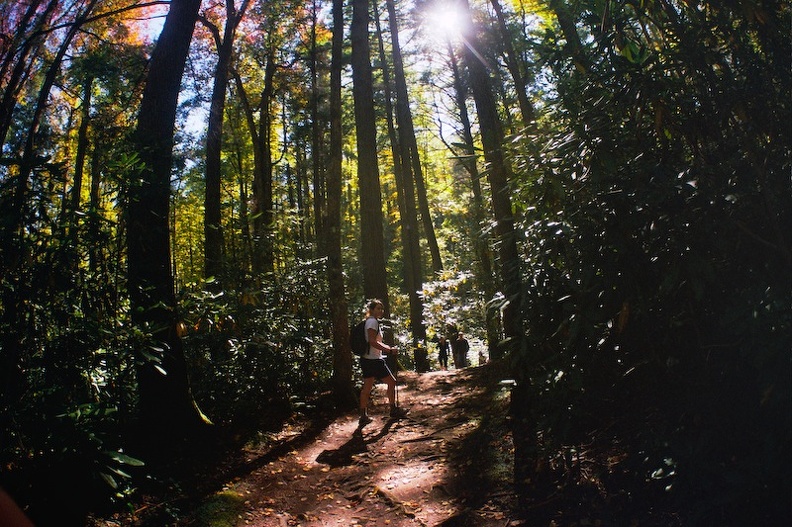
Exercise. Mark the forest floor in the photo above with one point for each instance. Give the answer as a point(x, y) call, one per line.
point(448, 463)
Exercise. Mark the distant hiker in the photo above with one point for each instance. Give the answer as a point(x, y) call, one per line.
point(373, 364)
point(460, 347)
point(442, 352)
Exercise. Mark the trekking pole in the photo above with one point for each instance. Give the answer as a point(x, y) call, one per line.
point(396, 391)
point(395, 382)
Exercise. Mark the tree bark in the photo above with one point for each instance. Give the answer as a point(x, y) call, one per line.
point(342, 354)
point(167, 409)
point(574, 46)
point(373, 246)
point(250, 120)
point(411, 159)
point(262, 257)
point(263, 210)
point(82, 145)
point(498, 177)
point(96, 252)
point(513, 65)
point(29, 160)
point(317, 157)
point(408, 214)
point(213, 228)
point(411, 169)
point(27, 45)
point(484, 271)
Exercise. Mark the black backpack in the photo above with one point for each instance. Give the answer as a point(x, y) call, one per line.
point(357, 338)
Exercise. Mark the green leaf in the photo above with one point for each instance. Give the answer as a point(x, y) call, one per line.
point(119, 472)
point(110, 480)
point(120, 457)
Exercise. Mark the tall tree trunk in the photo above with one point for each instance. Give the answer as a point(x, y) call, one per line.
point(250, 118)
point(82, 145)
point(317, 160)
point(9, 46)
point(213, 228)
point(408, 213)
point(398, 170)
point(498, 177)
point(96, 251)
point(342, 354)
point(484, 271)
point(573, 46)
point(167, 408)
point(508, 256)
point(373, 247)
point(27, 45)
point(13, 211)
point(513, 65)
point(409, 142)
point(263, 211)
point(29, 160)
point(241, 247)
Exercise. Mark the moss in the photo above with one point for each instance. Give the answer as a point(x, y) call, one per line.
point(221, 510)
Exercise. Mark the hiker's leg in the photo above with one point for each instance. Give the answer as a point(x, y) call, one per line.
point(365, 392)
point(391, 382)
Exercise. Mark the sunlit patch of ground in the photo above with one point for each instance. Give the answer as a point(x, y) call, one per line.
point(387, 474)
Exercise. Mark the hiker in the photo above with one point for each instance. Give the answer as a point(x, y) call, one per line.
point(373, 364)
point(442, 352)
point(460, 347)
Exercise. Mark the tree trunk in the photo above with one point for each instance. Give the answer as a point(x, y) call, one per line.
point(509, 262)
point(26, 45)
point(408, 213)
point(497, 175)
point(263, 211)
point(250, 119)
point(373, 246)
point(29, 160)
point(96, 251)
point(574, 46)
point(82, 146)
point(513, 65)
point(213, 229)
point(167, 409)
point(262, 257)
point(484, 272)
point(342, 354)
point(317, 161)
point(409, 145)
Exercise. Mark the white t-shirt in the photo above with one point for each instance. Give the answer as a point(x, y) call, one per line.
point(373, 353)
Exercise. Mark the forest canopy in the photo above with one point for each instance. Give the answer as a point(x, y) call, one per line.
point(197, 199)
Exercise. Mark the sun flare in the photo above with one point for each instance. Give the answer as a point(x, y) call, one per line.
point(443, 21)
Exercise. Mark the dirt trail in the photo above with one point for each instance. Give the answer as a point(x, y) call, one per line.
point(447, 464)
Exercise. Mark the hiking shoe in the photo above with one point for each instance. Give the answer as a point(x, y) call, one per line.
point(364, 420)
point(397, 412)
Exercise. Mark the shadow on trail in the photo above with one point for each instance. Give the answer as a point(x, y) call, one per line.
point(210, 476)
point(482, 458)
point(357, 444)
point(317, 426)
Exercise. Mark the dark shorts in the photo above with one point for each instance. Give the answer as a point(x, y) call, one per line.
point(374, 368)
